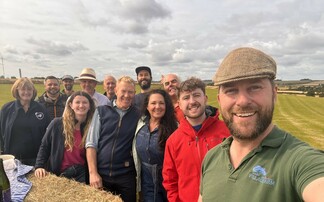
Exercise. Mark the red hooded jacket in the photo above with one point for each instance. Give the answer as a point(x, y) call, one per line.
point(184, 152)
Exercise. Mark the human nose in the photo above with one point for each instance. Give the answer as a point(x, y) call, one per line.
point(192, 99)
point(243, 99)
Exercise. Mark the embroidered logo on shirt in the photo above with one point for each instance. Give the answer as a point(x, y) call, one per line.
point(259, 174)
point(39, 115)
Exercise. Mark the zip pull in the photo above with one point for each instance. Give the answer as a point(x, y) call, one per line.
point(197, 140)
point(119, 123)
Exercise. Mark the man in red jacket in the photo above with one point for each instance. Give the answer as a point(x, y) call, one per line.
point(187, 146)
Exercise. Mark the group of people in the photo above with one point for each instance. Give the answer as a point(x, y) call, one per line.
point(161, 144)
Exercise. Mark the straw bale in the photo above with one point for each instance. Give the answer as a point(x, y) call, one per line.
point(60, 189)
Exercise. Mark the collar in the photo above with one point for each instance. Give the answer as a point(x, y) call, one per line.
point(116, 107)
point(274, 139)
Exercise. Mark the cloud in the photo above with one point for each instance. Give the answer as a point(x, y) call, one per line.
point(127, 16)
point(187, 37)
point(56, 47)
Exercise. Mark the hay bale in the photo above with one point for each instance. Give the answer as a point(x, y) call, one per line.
point(60, 189)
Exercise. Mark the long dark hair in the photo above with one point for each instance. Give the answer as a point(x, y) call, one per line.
point(168, 122)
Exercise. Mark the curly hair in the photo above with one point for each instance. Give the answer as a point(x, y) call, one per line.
point(69, 120)
point(168, 123)
point(192, 84)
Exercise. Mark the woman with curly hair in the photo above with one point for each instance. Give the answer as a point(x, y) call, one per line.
point(62, 151)
point(157, 123)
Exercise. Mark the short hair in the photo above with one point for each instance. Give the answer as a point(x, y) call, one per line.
point(164, 76)
point(191, 84)
point(110, 76)
point(21, 83)
point(51, 77)
point(126, 79)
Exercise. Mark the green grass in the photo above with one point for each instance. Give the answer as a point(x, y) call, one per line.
point(299, 115)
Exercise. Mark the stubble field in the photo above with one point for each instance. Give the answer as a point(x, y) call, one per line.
point(300, 115)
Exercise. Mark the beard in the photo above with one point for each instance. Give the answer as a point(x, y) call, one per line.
point(264, 119)
point(68, 87)
point(145, 84)
point(53, 91)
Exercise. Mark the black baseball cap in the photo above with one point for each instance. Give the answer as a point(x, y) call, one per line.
point(140, 68)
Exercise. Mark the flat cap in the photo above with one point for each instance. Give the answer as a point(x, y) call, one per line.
point(67, 77)
point(245, 63)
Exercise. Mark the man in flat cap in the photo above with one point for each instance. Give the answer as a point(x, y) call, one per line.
point(259, 162)
point(68, 82)
point(144, 79)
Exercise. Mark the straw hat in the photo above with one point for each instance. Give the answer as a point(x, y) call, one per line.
point(245, 63)
point(88, 74)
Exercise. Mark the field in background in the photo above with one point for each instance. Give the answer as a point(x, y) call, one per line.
point(300, 115)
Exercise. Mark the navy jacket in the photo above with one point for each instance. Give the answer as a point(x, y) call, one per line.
point(51, 151)
point(38, 118)
point(52, 148)
point(114, 153)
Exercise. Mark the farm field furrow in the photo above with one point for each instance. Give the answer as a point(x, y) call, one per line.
point(301, 120)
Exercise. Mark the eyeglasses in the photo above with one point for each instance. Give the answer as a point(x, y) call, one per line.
point(169, 82)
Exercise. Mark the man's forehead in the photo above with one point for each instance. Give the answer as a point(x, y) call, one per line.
point(51, 81)
point(245, 81)
point(196, 90)
point(125, 85)
point(170, 77)
point(110, 80)
point(87, 80)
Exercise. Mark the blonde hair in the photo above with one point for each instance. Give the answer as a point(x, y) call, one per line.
point(126, 79)
point(21, 83)
point(69, 120)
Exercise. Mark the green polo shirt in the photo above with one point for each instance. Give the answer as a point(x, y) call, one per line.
point(278, 170)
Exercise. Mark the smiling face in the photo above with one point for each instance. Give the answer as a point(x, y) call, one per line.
point(88, 86)
point(52, 87)
point(156, 106)
point(125, 93)
point(109, 85)
point(171, 84)
point(193, 105)
point(80, 105)
point(247, 107)
point(144, 79)
point(25, 93)
point(68, 84)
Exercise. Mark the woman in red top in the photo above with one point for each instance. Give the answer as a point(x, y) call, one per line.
point(63, 143)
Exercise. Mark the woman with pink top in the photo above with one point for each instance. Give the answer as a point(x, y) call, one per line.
point(62, 150)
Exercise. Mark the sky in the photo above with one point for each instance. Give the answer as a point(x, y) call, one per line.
point(186, 37)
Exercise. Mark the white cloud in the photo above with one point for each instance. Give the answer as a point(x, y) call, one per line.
point(188, 37)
